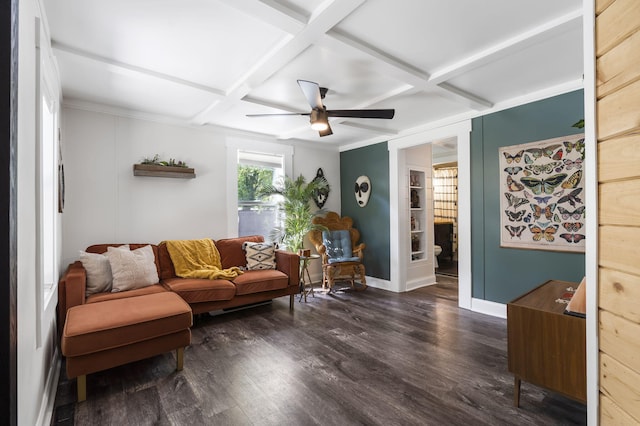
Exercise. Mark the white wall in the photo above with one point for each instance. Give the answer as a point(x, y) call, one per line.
point(106, 203)
point(37, 338)
point(306, 162)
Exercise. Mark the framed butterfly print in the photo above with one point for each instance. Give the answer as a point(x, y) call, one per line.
point(542, 195)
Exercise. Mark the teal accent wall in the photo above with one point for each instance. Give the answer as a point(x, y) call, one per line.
point(372, 220)
point(502, 274)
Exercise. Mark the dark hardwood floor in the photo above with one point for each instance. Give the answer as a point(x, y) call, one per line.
point(345, 358)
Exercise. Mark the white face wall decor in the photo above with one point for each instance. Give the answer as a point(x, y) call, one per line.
point(363, 190)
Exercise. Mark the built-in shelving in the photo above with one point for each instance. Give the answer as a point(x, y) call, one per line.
point(417, 216)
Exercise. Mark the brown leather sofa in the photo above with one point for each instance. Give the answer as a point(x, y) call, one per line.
point(201, 294)
point(108, 329)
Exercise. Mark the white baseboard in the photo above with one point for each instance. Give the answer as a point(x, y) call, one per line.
point(488, 307)
point(422, 282)
point(371, 282)
point(380, 283)
point(49, 397)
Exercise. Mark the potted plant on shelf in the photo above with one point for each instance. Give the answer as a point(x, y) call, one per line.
point(295, 210)
point(159, 168)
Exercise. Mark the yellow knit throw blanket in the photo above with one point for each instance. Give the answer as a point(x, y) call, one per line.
point(198, 259)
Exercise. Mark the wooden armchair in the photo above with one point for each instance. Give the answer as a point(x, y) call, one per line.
point(341, 254)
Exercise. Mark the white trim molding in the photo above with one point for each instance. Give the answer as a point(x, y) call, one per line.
point(421, 282)
point(379, 283)
point(591, 193)
point(488, 307)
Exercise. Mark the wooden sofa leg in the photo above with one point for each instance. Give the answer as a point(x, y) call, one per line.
point(292, 299)
point(179, 359)
point(82, 387)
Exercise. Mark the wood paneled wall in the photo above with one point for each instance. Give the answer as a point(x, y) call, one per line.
point(618, 133)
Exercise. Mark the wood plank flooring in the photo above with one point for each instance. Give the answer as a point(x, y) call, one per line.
point(345, 358)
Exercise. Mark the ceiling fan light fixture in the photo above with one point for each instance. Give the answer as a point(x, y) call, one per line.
point(319, 120)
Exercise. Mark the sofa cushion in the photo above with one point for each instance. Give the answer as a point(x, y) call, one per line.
point(230, 249)
point(102, 248)
point(132, 269)
point(257, 281)
point(115, 323)
point(165, 265)
point(260, 255)
point(195, 290)
point(101, 297)
point(99, 277)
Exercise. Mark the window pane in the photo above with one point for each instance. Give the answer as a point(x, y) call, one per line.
point(257, 216)
point(48, 194)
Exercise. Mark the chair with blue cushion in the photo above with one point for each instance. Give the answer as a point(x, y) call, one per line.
point(341, 254)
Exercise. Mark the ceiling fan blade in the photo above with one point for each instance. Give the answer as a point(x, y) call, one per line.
point(276, 114)
point(311, 91)
point(326, 132)
point(362, 113)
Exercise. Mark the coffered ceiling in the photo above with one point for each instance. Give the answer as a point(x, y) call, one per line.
point(212, 62)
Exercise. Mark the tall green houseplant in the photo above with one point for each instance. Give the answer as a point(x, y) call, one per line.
point(295, 209)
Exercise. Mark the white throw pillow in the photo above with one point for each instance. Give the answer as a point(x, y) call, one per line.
point(260, 255)
point(98, 272)
point(132, 269)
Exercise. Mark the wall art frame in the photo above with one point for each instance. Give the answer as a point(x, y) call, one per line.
point(542, 205)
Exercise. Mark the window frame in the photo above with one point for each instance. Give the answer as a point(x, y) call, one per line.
point(234, 146)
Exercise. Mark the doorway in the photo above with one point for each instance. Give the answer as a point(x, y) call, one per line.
point(460, 132)
point(445, 207)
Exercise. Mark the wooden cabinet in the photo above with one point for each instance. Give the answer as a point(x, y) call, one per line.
point(417, 214)
point(545, 346)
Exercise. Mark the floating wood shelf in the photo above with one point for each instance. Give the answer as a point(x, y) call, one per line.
point(163, 171)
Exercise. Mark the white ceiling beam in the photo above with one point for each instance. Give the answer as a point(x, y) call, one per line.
point(344, 44)
point(327, 15)
point(509, 46)
point(393, 67)
point(270, 104)
point(461, 96)
point(369, 127)
point(272, 13)
point(134, 69)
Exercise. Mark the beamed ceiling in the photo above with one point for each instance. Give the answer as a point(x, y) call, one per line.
point(212, 62)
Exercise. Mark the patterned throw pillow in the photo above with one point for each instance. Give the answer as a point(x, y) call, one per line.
point(260, 255)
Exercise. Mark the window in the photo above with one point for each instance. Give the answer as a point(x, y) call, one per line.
point(47, 155)
point(257, 216)
point(48, 194)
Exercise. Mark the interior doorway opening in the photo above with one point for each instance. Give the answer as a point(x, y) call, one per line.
point(459, 135)
point(445, 208)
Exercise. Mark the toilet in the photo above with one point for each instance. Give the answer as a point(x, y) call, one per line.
point(436, 251)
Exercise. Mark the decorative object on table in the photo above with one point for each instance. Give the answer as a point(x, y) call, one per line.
point(304, 252)
point(340, 251)
point(577, 305)
point(155, 167)
point(363, 190)
point(295, 210)
point(542, 205)
point(321, 194)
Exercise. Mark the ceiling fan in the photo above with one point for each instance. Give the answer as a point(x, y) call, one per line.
point(319, 114)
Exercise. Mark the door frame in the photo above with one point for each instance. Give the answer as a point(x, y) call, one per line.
point(461, 131)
